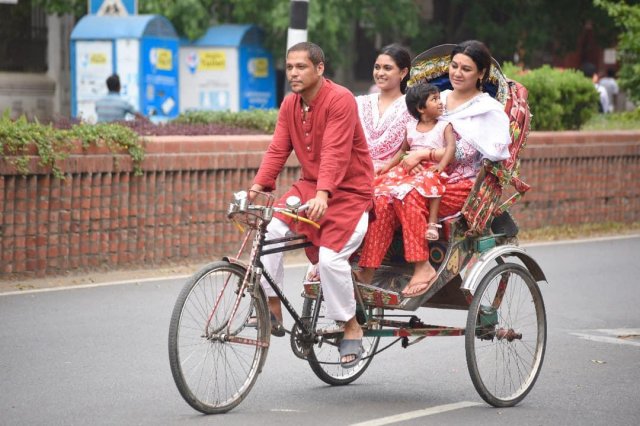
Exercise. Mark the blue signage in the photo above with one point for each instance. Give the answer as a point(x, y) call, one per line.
point(159, 88)
point(113, 7)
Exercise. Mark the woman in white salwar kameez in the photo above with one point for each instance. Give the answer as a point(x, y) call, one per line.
point(384, 115)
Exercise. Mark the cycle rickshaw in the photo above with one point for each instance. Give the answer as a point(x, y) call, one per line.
point(220, 328)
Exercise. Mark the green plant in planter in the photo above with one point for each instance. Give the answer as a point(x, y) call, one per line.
point(17, 137)
point(114, 136)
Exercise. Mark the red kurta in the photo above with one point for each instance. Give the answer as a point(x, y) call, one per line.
point(334, 156)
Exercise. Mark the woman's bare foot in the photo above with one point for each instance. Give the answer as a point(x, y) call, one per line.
point(365, 275)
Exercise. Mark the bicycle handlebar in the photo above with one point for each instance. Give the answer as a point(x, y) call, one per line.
point(241, 204)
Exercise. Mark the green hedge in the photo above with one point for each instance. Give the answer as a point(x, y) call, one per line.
point(559, 99)
point(259, 119)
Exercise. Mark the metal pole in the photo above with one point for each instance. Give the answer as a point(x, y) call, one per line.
point(297, 32)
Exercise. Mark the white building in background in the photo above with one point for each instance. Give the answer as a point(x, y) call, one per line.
point(34, 61)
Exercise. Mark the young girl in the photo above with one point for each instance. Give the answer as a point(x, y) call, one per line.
point(402, 192)
point(418, 169)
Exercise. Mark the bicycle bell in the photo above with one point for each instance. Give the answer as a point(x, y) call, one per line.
point(292, 202)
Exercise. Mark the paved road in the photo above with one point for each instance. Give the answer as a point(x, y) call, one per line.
point(98, 356)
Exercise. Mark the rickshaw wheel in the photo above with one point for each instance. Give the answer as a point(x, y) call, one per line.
point(506, 335)
point(324, 357)
point(214, 354)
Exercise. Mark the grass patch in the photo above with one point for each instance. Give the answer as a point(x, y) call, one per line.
point(629, 120)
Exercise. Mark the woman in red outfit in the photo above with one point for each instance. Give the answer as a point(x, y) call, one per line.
point(472, 113)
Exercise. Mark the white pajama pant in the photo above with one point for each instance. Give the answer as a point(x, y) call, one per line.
point(334, 269)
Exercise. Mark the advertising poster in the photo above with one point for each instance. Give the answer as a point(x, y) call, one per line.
point(209, 79)
point(258, 79)
point(159, 100)
point(94, 63)
point(127, 67)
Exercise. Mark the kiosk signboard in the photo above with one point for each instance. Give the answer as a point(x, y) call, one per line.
point(113, 7)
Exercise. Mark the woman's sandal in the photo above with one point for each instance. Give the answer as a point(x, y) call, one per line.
point(424, 287)
point(432, 232)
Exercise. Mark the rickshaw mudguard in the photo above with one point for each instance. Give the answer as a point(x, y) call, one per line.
point(477, 272)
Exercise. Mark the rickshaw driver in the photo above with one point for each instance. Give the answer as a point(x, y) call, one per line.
point(319, 122)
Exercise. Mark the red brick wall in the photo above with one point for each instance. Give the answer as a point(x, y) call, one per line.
point(102, 215)
point(580, 177)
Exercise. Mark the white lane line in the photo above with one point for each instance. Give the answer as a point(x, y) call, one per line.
point(417, 413)
point(631, 332)
point(580, 240)
point(109, 283)
point(93, 285)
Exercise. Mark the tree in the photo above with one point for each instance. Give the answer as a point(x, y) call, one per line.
point(330, 22)
point(534, 28)
point(627, 17)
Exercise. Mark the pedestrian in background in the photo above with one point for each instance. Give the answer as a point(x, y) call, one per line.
point(113, 107)
point(589, 71)
point(611, 86)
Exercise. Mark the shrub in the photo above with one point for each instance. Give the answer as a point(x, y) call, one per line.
point(558, 99)
point(258, 119)
point(54, 144)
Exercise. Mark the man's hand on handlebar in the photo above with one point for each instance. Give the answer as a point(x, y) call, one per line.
point(255, 188)
point(318, 206)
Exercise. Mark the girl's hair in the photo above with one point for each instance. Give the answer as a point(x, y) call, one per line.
point(402, 58)
point(417, 96)
point(480, 55)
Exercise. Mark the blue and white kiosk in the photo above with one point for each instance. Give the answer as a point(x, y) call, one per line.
point(141, 49)
point(227, 69)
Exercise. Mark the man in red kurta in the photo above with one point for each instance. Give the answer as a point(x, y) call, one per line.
point(319, 122)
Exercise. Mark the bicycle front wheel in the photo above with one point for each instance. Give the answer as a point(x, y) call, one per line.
point(216, 350)
point(506, 335)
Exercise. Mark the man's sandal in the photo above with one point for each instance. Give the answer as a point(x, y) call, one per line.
point(432, 232)
point(350, 347)
point(277, 329)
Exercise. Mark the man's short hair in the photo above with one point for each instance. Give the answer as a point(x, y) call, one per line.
point(113, 83)
point(316, 55)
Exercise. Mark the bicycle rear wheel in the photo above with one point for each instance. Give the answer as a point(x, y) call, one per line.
point(324, 357)
point(215, 356)
point(506, 335)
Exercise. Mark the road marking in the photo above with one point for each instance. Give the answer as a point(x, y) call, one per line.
point(580, 240)
point(94, 285)
point(417, 413)
point(124, 282)
point(618, 336)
